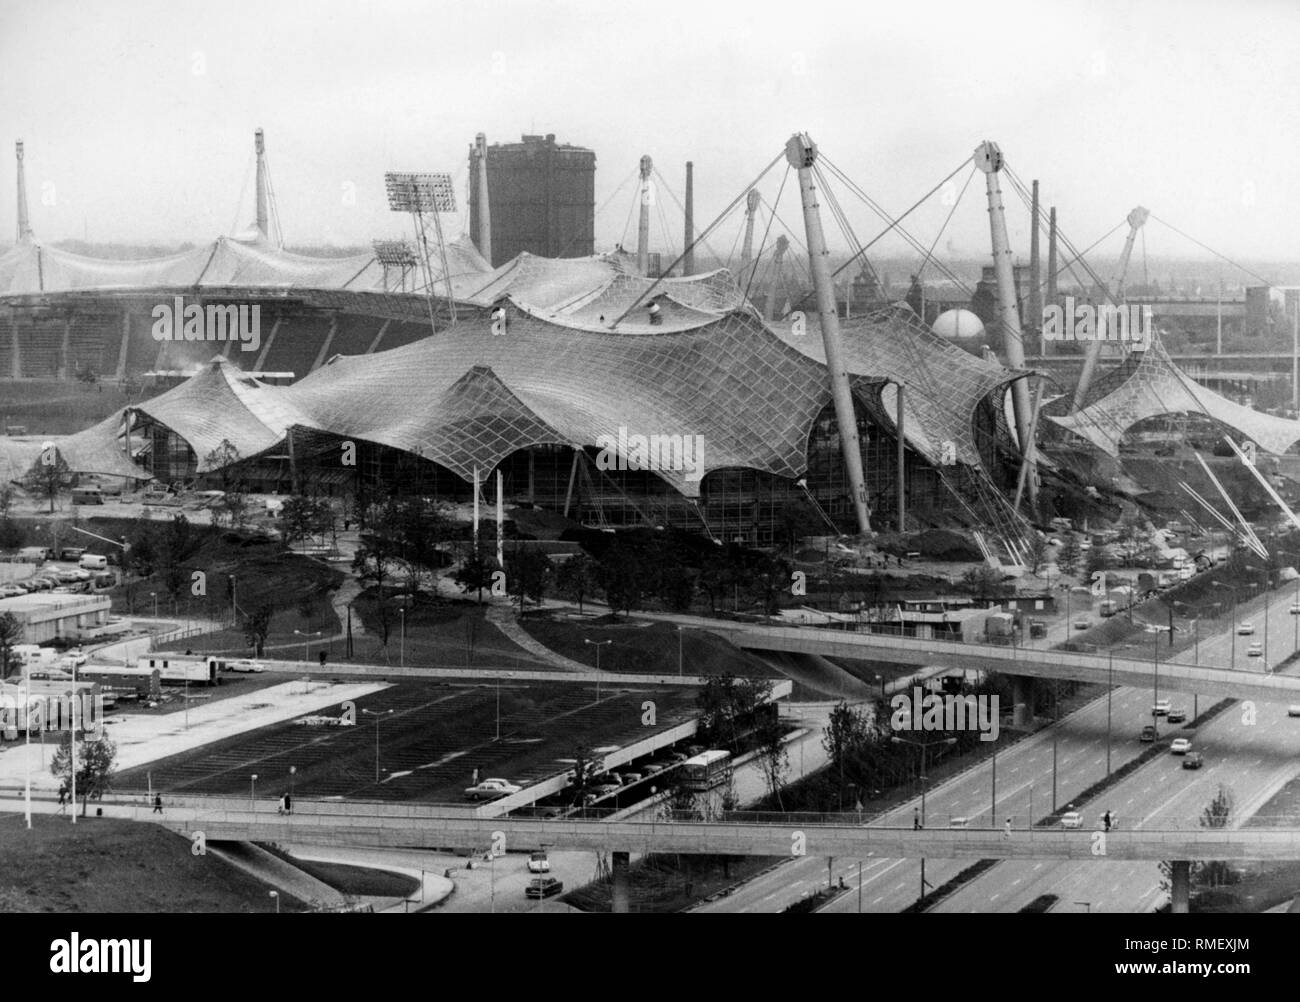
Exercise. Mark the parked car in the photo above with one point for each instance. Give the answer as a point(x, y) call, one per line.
point(1246, 629)
point(538, 862)
point(1193, 760)
point(1081, 624)
point(604, 789)
point(1160, 708)
point(11, 591)
point(544, 887)
point(1255, 650)
point(1148, 734)
point(246, 665)
point(1295, 610)
point(491, 789)
point(633, 777)
point(71, 552)
point(1071, 819)
point(1177, 715)
point(1181, 746)
point(76, 657)
point(1293, 710)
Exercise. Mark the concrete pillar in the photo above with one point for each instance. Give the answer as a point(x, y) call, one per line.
point(1022, 700)
point(620, 862)
point(1181, 879)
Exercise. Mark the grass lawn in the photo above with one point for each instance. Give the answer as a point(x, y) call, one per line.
point(112, 865)
point(645, 648)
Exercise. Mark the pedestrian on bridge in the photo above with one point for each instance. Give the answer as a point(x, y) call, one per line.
point(1006, 829)
point(916, 819)
point(157, 803)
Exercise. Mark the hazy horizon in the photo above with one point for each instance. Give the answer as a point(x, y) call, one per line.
point(138, 116)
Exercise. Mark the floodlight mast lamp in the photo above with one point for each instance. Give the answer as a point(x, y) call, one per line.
point(988, 158)
point(802, 154)
point(418, 194)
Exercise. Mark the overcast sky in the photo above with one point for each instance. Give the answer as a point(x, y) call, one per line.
point(138, 116)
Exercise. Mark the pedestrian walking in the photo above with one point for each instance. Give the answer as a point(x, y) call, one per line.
point(280, 809)
point(1006, 829)
point(157, 803)
point(1105, 821)
point(916, 819)
point(63, 795)
point(288, 804)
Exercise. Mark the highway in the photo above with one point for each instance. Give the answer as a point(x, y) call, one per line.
point(1024, 772)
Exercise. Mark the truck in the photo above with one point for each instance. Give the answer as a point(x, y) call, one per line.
point(1000, 627)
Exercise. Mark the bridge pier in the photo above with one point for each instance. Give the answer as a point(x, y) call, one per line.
point(620, 862)
point(1022, 700)
point(1180, 879)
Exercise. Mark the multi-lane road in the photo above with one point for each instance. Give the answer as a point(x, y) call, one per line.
point(1249, 749)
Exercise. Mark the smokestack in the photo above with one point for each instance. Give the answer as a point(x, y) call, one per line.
point(643, 224)
point(688, 262)
point(24, 224)
point(1051, 264)
point(259, 146)
point(1035, 304)
point(747, 248)
point(483, 234)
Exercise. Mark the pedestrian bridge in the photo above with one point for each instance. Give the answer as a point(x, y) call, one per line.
point(404, 826)
point(1169, 676)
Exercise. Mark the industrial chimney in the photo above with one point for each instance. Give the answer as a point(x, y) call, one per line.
point(483, 235)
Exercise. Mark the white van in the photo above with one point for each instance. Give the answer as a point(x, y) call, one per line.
point(93, 562)
point(33, 555)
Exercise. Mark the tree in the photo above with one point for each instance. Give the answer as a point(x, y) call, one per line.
point(528, 574)
point(1037, 552)
point(476, 570)
point(984, 582)
point(257, 624)
point(221, 459)
point(11, 633)
point(1067, 558)
point(773, 755)
point(94, 767)
point(576, 578)
point(846, 738)
point(586, 767)
point(622, 576)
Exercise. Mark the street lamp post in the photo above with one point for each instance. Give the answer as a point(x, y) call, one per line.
point(252, 794)
point(154, 595)
point(923, 745)
point(293, 769)
point(401, 611)
point(679, 651)
point(377, 714)
point(598, 644)
point(276, 896)
point(306, 642)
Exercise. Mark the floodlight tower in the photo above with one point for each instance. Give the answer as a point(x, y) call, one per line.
point(643, 223)
point(802, 154)
point(988, 158)
point(747, 248)
point(1115, 294)
point(395, 254)
point(24, 223)
point(419, 194)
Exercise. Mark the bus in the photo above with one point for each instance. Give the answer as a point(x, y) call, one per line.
point(87, 495)
point(706, 770)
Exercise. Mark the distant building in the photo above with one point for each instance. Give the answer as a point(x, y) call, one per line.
point(541, 198)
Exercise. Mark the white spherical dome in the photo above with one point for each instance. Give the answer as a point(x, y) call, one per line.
point(958, 324)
